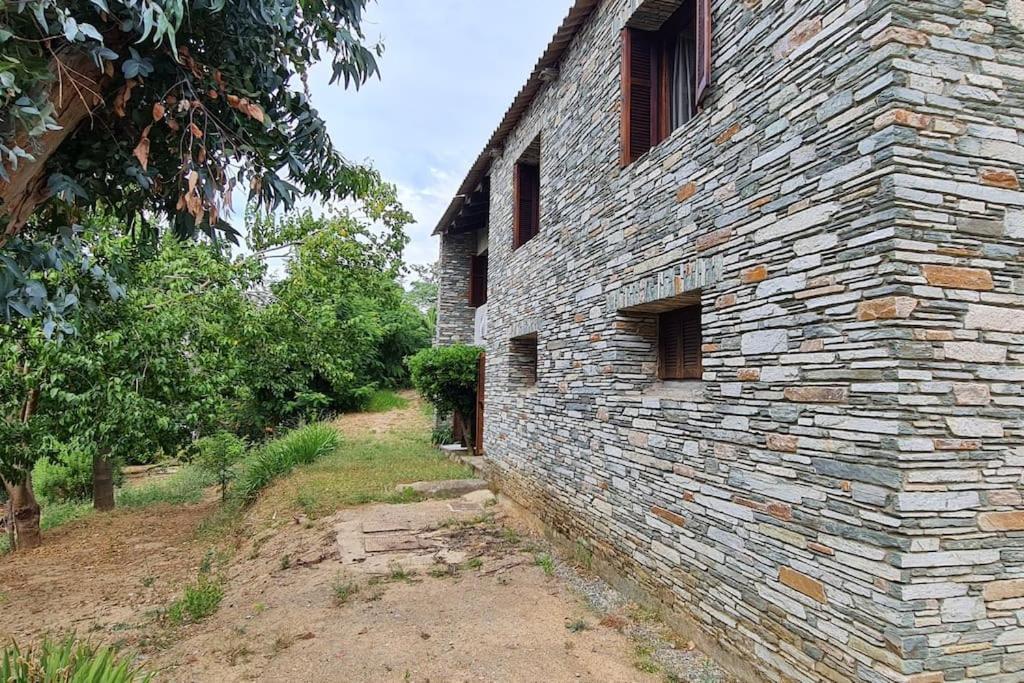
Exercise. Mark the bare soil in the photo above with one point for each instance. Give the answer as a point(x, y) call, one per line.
point(431, 591)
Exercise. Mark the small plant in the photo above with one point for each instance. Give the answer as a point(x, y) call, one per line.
point(643, 659)
point(286, 561)
point(218, 455)
point(475, 563)
point(578, 625)
point(148, 581)
point(446, 376)
point(66, 660)
point(343, 590)
point(511, 536)
point(583, 555)
point(707, 672)
point(400, 573)
point(545, 562)
point(442, 434)
point(199, 600)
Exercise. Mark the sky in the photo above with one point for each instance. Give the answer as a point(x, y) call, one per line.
point(450, 70)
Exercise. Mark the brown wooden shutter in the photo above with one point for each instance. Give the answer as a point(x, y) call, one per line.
point(638, 110)
point(526, 212)
point(679, 341)
point(478, 280)
point(703, 49)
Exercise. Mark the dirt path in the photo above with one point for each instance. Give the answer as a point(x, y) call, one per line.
point(102, 575)
point(443, 590)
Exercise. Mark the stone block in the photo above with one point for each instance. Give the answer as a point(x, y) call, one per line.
point(813, 394)
point(957, 278)
point(802, 583)
point(887, 308)
point(1001, 521)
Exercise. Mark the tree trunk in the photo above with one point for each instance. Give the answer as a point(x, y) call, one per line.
point(75, 92)
point(24, 514)
point(102, 483)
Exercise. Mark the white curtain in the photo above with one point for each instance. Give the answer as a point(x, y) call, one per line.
point(683, 81)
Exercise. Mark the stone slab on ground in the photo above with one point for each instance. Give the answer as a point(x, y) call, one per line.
point(445, 487)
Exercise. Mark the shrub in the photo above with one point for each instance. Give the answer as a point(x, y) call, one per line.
point(65, 475)
point(218, 455)
point(299, 447)
point(446, 376)
point(66, 660)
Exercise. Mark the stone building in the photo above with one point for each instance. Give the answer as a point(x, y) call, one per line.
point(749, 277)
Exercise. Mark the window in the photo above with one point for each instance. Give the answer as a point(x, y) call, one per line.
point(665, 75)
point(526, 199)
point(679, 341)
point(478, 280)
point(523, 360)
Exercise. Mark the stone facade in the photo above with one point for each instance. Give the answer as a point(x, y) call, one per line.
point(839, 498)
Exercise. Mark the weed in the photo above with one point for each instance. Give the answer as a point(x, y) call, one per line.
point(444, 571)
point(707, 672)
point(308, 502)
point(286, 561)
point(199, 600)
point(399, 573)
point(475, 563)
point(545, 562)
point(578, 625)
point(583, 555)
point(343, 590)
point(259, 608)
point(643, 659)
point(511, 536)
point(146, 582)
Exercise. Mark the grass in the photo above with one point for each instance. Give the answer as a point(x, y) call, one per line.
point(199, 600)
point(342, 590)
point(184, 486)
point(383, 400)
point(545, 562)
point(365, 469)
point(302, 446)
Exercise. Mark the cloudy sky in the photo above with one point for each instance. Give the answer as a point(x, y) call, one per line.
point(450, 70)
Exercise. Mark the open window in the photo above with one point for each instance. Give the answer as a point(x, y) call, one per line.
point(478, 280)
point(666, 72)
point(679, 342)
point(526, 199)
point(523, 360)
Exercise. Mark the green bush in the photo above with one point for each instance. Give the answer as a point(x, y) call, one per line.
point(66, 661)
point(65, 475)
point(217, 455)
point(299, 447)
point(446, 376)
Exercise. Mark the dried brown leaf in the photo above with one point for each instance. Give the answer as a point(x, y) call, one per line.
point(141, 151)
point(158, 110)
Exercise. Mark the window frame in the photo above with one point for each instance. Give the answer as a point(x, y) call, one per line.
point(525, 220)
point(688, 341)
point(478, 279)
point(645, 70)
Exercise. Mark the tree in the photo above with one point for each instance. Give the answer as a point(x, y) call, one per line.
point(337, 325)
point(164, 108)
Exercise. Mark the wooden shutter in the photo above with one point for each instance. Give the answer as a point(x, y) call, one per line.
point(703, 31)
point(526, 210)
point(679, 342)
point(478, 280)
point(638, 94)
point(481, 383)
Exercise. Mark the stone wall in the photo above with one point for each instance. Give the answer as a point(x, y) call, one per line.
point(455, 317)
point(839, 497)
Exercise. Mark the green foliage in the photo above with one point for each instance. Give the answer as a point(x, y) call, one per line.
point(217, 455)
point(446, 376)
point(67, 661)
point(183, 487)
point(279, 457)
point(198, 601)
point(383, 400)
point(337, 326)
point(203, 97)
point(65, 475)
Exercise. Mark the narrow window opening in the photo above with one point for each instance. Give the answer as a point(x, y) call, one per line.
point(478, 280)
point(679, 344)
point(526, 191)
point(523, 360)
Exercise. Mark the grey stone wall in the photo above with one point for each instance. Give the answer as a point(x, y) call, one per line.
point(839, 498)
point(455, 317)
